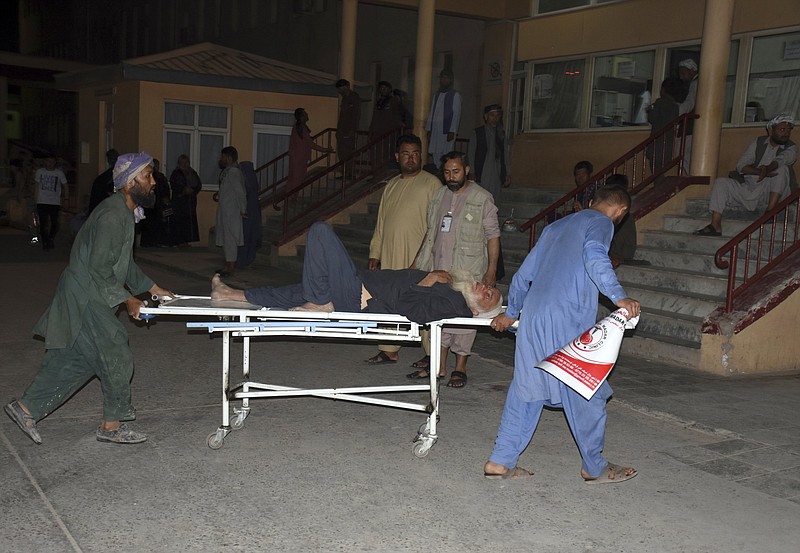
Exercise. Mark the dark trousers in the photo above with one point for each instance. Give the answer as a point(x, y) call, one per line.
point(48, 221)
point(329, 275)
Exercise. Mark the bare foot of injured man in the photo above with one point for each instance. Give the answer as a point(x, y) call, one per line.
point(222, 292)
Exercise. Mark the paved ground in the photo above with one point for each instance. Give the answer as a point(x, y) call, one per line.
point(719, 460)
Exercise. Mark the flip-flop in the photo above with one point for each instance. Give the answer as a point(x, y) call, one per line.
point(417, 375)
point(380, 359)
point(458, 379)
point(516, 472)
point(707, 230)
point(612, 475)
point(423, 363)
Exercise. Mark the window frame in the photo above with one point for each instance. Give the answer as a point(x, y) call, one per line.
point(195, 132)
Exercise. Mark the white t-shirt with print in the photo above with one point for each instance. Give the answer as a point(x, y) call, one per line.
point(48, 186)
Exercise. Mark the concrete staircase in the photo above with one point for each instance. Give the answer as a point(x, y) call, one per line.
point(680, 286)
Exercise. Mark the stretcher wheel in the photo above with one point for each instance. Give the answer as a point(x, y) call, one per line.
point(237, 423)
point(215, 440)
point(421, 449)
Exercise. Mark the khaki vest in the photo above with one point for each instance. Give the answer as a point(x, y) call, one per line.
point(470, 253)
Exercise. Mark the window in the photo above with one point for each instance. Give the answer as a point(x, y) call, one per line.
point(774, 81)
point(548, 6)
point(271, 131)
point(621, 89)
point(199, 131)
point(557, 94)
point(515, 118)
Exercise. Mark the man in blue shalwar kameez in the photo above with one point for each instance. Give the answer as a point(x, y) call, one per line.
point(554, 294)
point(83, 337)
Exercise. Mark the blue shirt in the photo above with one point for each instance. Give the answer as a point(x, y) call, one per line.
point(554, 294)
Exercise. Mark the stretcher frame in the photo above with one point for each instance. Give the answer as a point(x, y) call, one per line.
point(248, 322)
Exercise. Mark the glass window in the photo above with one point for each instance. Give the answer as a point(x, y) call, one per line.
point(557, 92)
point(178, 114)
point(621, 89)
point(213, 116)
point(547, 6)
point(198, 131)
point(273, 117)
point(774, 82)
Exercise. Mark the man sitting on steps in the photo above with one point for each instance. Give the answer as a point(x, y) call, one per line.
point(763, 175)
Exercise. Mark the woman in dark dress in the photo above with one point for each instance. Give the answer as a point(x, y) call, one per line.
point(156, 227)
point(186, 185)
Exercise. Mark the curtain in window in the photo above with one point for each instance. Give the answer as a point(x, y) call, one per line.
point(210, 147)
point(178, 114)
point(178, 143)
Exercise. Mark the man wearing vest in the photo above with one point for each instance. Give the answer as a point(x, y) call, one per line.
point(443, 117)
point(489, 153)
point(763, 176)
point(463, 237)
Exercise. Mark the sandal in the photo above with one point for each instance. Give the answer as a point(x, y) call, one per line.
point(380, 359)
point(458, 379)
point(417, 375)
point(612, 474)
point(423, 363)
point(707, 230)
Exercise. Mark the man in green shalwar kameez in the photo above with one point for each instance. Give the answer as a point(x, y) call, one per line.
point(83, 337)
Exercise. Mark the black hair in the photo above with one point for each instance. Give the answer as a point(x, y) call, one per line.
point(617, 179)
point(454, 155)
point(231, 151)
point(583, 165)
point(408, 139)
point(613, 194)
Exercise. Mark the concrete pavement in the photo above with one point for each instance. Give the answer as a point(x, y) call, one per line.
point(719, 460)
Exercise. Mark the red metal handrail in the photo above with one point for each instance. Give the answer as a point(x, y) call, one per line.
point(664, 155)
point(762, 249)
point(273, 174)
point(343, 180)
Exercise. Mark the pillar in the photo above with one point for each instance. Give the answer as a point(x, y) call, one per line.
point(423, 70)
point(714, 53)
point(347, 60)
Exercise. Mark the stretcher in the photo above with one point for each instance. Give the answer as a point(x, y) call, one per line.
point(232, 319)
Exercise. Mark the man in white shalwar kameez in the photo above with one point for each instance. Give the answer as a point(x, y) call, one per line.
point(555, 294)
point(443, 118)
point(763, 175)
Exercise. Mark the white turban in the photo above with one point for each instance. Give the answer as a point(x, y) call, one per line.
point(780, 118)
point(128, 166)
point(689, 64)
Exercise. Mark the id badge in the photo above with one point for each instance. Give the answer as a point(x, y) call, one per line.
point(447, 220)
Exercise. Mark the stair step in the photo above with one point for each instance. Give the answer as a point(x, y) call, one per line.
point(668, 301)
point(678, 281)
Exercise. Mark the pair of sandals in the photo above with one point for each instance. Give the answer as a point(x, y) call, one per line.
point(458, 379)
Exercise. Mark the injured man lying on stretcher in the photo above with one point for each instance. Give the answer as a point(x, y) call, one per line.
point(332, 283)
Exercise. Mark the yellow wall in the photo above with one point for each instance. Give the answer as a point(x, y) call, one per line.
point(139, 116)
point(497, 47)
point(761, 348)
point(322, 113)
point(639, 23)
